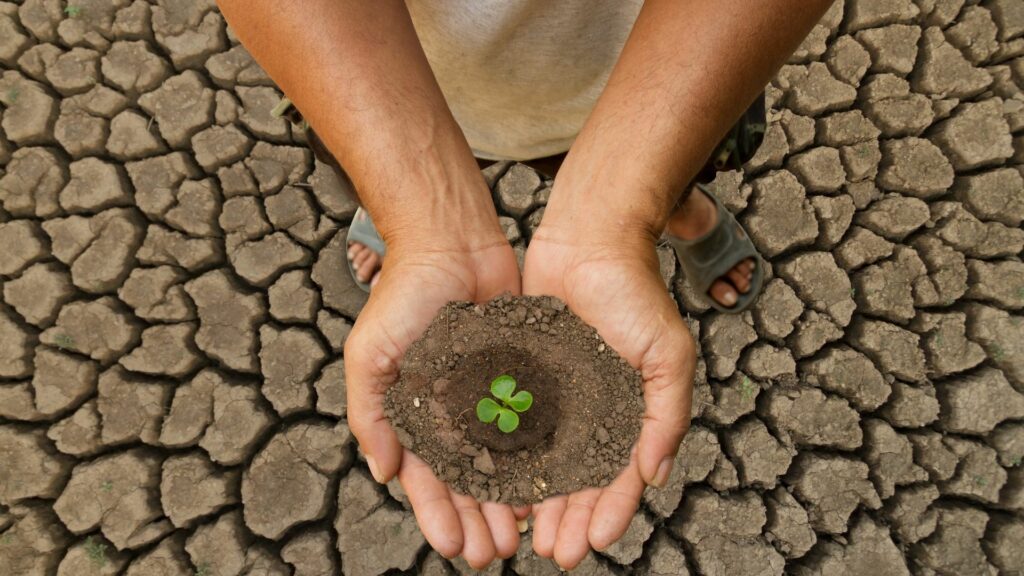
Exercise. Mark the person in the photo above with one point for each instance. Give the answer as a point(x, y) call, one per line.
point(639, 94)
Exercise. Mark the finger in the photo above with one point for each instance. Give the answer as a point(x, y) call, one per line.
point(614, 509)
point(432, 504)
point(545, 526)
point(502, 523)
point(366, 419)
point(522, 512)
point(571, 544)
point(739, 280)
point(668, 388)
point(478, 548)
point(723, 293)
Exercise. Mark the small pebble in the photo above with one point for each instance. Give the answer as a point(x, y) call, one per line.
point(416, 402)
point(600, 347)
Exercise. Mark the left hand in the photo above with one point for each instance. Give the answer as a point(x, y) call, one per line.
point(614, 285)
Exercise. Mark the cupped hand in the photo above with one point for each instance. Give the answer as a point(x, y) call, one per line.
point(418, 279)
point(614, 285)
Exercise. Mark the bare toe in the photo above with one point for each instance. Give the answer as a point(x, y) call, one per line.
point(354, 249)
point(739, 279)
point(723, 293)
point(369, 268)
point(359, 262)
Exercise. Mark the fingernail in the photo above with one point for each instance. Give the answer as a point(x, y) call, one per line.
point(729, 297)
point(523, 525)
point(351, 254)
point(661, 477)
point(355, 266)
point(373, 468)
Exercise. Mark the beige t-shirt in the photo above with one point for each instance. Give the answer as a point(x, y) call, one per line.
point(521, 76)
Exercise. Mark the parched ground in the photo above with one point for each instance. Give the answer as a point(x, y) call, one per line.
point(174, 304)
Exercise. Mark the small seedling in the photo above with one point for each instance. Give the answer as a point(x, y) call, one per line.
point(6, 538)
point(1015, 462)
point(12, 94)
point(980, 480)
point(747, 388)
point(508, 406)
point(204, 570)
point(107, 486)
point(997, 353)
point(72, 11)
point(64, 342)
point(96, 551)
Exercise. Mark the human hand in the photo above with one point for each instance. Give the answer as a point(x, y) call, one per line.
point(614, 285)
point(423, 271)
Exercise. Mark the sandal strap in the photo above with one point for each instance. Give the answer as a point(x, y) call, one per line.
point(711, 256)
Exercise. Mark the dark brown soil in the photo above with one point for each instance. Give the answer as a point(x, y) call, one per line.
point(587, 409)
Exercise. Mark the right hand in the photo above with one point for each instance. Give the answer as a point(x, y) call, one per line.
point(419, 277)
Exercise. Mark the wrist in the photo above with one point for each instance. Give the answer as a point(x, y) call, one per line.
point(604, 214)
point(433, 202)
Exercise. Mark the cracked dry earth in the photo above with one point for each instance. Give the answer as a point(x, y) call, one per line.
point(174, 305)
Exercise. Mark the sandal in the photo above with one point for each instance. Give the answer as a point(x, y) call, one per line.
point(362, 229)
point(709, 257)
point(364, 232)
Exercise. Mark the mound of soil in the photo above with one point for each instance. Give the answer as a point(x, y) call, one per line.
point(585, 417)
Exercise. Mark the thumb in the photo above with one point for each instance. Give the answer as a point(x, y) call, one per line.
point(668, 388)
point(368, 372)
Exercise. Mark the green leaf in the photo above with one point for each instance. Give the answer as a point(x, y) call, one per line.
point(521, 402)
point(508, 421)
point(487, 410)
point(503, 386)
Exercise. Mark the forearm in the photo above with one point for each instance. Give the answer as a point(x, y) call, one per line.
point(687, 72)
point(358, 74)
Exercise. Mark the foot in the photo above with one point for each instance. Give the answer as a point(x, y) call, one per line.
point(365, 261)
point(696, 217)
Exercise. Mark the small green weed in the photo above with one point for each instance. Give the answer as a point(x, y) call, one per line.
point(980, 480)
point(748, 388)
point(204, 570)
point(64, 342)
point(12, 94)
point(72, 11)
point(107, 486)
point(508, 406)
point(96, 551)
point(1016, 462)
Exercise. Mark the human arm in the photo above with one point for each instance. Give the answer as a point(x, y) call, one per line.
point(357, 73)
point(688, 70)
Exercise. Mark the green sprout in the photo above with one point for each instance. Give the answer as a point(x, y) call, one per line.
point(96, 551)
point(12, 94)
point(107, 486)
point(203, 570)
point(72, 11)
point(64, 342)
point(1016, 461)
point(508, 407)
point(747, 388)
